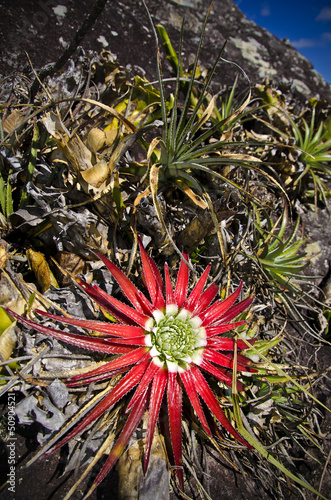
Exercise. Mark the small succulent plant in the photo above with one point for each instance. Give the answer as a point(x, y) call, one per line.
point(313, 145)
point(163, 345)
point(279, 255)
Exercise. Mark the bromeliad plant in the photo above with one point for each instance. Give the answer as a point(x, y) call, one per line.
point(164, 344)
point(190, 142)
point(279, 256)
point(277, 253)
point(228, 112)
point(313, 144)
point(315, 147)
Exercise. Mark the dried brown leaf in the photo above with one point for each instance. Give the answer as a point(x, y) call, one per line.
point(7, 342)
point(39, 266)
point(12, 121)
point(97, 175)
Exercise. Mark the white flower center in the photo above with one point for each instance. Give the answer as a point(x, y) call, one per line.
point(175, 338)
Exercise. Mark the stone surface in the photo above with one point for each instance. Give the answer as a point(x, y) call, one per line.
point(42, 29)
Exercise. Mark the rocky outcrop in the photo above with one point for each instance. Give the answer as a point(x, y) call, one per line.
point(43, 28)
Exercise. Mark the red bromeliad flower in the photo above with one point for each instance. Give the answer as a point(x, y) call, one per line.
point(165, 343)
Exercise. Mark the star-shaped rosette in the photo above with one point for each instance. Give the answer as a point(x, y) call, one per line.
point(165, 344)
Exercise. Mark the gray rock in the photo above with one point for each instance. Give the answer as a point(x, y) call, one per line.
point(42, 30)
point(58, 393)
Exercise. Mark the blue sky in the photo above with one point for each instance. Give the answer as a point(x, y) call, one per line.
point(307, 24)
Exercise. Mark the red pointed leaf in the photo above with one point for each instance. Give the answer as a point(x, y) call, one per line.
point(220, 374)
point(125, 385)
point(103, 300)
point(125, 360)
point(89, 379)
point(112, 329)
point(130, 426)
point(127, 287)
point(156, 272)
point(211, 331)
point(211, 401)
point(159, 300)
point(149, 307)
point(182, 282)
point(242, 361)
point(222, 359)
point(91, 343)
point(194, 296)
point(188, 383)
point(235, 310)
point(118, 309)
point(217, 310)
point(170, 297)
point(174, 393)
point(242, 344)
point(145, 381)
point(152, 280)
point(221, 343)
point(157, 393)
point(228, 344)
point(128, 341)
point(206, 298)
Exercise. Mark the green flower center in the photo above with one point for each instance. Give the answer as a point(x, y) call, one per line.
point(175, 338)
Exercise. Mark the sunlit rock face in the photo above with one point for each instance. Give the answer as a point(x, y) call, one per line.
point(123, 28)
point(256, 50)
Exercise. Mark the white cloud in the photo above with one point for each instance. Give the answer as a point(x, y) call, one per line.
point(324, 15)
point(265, 11)
point(302, 43)
point(326, 37)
